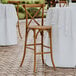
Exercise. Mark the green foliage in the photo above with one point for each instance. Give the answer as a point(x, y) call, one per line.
point(21, 15)
point(21, 9)
point(4, 1)
point(23, 2)
point(37, 2)
point(27, 2)
point(0, 1)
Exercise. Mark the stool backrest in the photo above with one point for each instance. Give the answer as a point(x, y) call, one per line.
point(35, 12)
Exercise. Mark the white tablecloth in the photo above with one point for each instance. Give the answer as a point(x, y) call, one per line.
point(72, 4)
point(63, 22)
point(8, 21)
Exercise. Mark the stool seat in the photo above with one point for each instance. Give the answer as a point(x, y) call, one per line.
point(40, 27)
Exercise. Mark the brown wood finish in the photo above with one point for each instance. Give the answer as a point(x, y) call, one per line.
point(17, 2)
point(41, 29)
point(51, 52)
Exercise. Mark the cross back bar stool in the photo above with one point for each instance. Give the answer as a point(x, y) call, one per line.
point(41, 30)
point(17, 2)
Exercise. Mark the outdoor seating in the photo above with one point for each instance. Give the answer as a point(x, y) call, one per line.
point(37, 37)
point(39, 28)
point(17, 2)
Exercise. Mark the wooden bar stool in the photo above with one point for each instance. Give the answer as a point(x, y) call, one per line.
point(41, 30)
point(17, 2)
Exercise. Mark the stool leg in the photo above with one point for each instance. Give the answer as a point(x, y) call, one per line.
point(18, 22)
point(50, 36)
point(24, 49)
point(34, 50)
point(42, 47)
point(19, 30)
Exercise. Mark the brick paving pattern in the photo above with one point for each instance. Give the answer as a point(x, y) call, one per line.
point(10, 58)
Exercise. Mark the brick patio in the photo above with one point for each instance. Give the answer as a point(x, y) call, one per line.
point(10, 58)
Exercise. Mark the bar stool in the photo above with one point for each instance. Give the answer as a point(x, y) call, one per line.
point(17, 2)
point(41, 30)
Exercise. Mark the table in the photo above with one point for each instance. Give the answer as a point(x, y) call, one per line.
point(63, 22)
point(72, 4)
point(8, 21)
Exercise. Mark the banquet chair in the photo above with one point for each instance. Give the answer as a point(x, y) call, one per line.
point(17, 2)
point(38, 28)
point(63, 3)
point(53, 3)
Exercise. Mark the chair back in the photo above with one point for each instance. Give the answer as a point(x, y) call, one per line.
point(32, 13)
point(62, 3)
